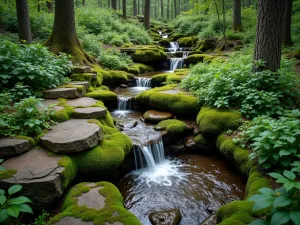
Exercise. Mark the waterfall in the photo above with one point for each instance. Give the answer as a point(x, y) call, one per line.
point(150, 155)
point(174, 46)
point(143, 82)
point(124, 103)
point(185, 54)
point(165, 36)
point(176, 63)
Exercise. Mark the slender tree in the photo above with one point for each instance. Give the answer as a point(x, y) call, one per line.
point(147, 14)
point(237, 16)
point(168, 10)
point(50, 6)
point(162, 8)
point(269, 34)
point(64, 37)
point(83, 3)
point(175, 8)
point(114, 4)
point(134, 7)
point(287, 36)
point(124, 9)
point(23, 21)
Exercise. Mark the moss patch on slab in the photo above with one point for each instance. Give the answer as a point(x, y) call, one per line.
point(103, 95)
point(6, 174)
point(138, 68)
point(172, 126)
point(149, 54)
point(187, 41)
point(179, 104)
point(212, 121)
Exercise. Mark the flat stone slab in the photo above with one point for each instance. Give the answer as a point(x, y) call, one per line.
point(13, 146)
point(83, 83)
point(38, 173)
point(48, 102)
point(72, 136)
point(171, 92)
point(90, 112)
point(61, 93)
point(157, 116)
point(92, 199)
point(82, 102)
point(82, 69)
point(73, 221)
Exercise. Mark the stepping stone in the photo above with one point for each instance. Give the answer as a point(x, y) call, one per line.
point(38, 173)
point(167, 217)
point(92, 199)
point(72, 136)
point(157, 116)
point(48, 102)
point(82, 102)
point(62, 93)
point(14, 146)
point(73, 221)
point(82, 69)
point(90, 113)
point(83, 83)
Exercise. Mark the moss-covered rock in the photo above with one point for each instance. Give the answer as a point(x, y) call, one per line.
point(170, 99)
point(176, 36)
point(172, 126)
point(165, 78)
point(155, 116)
point(149, 55)
point(110, 205)
point(194, 59)
point(212, 122)
point(164, 42)
point(138, 68)
point(207, 45)
point(103, 95)
point(187, 41)
point(115, 77)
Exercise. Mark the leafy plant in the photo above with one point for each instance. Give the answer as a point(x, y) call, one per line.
point(11, 207)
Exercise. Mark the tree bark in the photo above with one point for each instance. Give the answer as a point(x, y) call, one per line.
point(147, 14)
point(162, 8)
point(168, 10)
point(124, 10)
point(50, 6)
point(23, 21)
point(64, 37)
point(269, 34)
point(134, 7)
point(114, 4)
point(175, 8)
point(237, 16)
point(83, 3)
point(287, 36)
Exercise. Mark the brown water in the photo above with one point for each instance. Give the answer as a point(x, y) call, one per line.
point(188, 182)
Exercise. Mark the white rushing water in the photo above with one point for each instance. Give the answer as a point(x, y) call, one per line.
point(124, 103)
point(174, 46)
point(143, 82)
point(176, 63)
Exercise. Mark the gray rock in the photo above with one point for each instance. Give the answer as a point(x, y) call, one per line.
point(189, 143)
point(86, 84)
point(14, 146)
point(82, 102)
point(72, 136)
point(167, 217)
point(38, 173)
point(62, 93)
point(211, 220)
point(92, 199)
point(156, 116)
point(82, 69)
point(177, 148)
point(47, 102)
point(90, 112)
point(73, 221)
point(123, 86)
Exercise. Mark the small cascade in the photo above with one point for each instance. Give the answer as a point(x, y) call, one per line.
point(143, 82)
point(160, 32)
point(174, 46)
point(165, 36)
point(176, 63)
point(185, 54)
point(124, 103)
point(150, 155)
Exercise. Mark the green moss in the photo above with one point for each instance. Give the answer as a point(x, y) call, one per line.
point(103, 95)
point(90, 89)
point(195, 58)
point(187, 41)
point(63, 115)
point(207, 45)
point(255, 182)
point(149, 55)
point(100, 75)
point(230, 221)
point(176, 36)
point(200, 140)
point(172, 126)
point(32, 142)
point(180, 103)
point(209, 58)
point(116, 77)
point(80, 88)
point(164, 42)
point(70, 171)
point(166, 78)
point(113, 211)
point(6, 174)
point(82, 77)
point(212, 122)
point(232, 208)
point(108, 120)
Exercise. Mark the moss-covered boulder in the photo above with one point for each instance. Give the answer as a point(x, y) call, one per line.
point(149, 55)
point(206, 45)
point(138, 68)
point(170, 98)
point(212, 122)
point(187, 41)
point(176, 36)
point(155, 116)
point(97, 203)
point(194, 59)
point(164, 42)
point(172, 126)
point(103, 95)
point(168, 78)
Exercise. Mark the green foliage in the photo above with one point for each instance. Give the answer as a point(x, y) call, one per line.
point(275, 142)
point(113, 59)
point(42, 218)
point(24, 117)
point(33, 65)
point(11, 207)
point(233, 84)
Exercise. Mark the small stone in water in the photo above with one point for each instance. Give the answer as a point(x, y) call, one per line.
point(124, 86)
point(166, 217)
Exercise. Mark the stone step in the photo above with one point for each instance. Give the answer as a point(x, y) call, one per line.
point(82, 69)
point(83, 83)
point(38, 173)
point(62, 93)
point(48, 102)
point(90, 113)
point(72, 136)
point(82, 102)
point(14, 146)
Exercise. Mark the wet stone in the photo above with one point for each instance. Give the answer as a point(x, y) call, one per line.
point(90, 112)
point(61, 93)
point(189, 143)
point(123, 86)
point(157, 116)
point(86, 84)
point(175, 148)
point(13, 146)
point(72, 136)
point(82, 102)
point(73, 221)
point(167, 217)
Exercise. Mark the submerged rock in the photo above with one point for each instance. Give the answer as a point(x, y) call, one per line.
point(157, 116)
point(167, 217)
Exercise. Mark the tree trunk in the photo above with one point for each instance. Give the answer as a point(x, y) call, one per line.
point(287, 36)
point(38, 6)
point(83, 3)
point(237, 16)
point(124, 10)
point(134, 7)
point(168, 10)
point(23, 21)
point(269, 34)
point(114, 4)
point(162, 8)
point(175, 8)
point(64, 37)
point(249, 3)
point(147, 14)
point(119, 8)
point(50, 6)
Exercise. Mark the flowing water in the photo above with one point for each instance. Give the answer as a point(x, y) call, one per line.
point(143, 82)
point(174, 46)
point(176, 63)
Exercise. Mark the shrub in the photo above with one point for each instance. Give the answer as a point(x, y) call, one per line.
point(33, 65)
